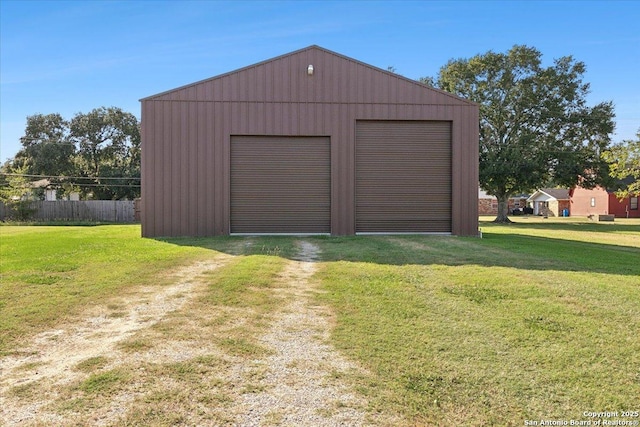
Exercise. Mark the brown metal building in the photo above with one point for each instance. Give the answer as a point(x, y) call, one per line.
point(308, 142)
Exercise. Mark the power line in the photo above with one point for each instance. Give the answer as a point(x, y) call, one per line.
point(94, 185)
point(67, 177)
point(63, 141)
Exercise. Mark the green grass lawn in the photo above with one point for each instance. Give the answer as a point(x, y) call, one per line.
point(49, 273)
point(537, 320)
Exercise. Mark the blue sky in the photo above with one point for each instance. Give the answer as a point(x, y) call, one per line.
point(70, 57)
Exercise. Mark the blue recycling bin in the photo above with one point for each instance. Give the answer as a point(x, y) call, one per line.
point(565, 212)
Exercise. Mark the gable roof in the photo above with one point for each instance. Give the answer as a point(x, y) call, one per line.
point(351, 80)
point(41, 183)
point(553, 193)
point(557, 193)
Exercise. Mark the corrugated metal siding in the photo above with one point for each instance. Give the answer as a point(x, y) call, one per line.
point(336, 79)
point(292, 103)
point(403, 176)
point(280, 184)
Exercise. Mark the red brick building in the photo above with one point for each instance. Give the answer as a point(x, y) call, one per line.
point(599, 201)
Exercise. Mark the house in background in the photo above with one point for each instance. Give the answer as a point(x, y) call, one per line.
point(625, 208)
point(550, 202)
point(587, 202)
point(311, 142)
point(599, 201)
point(488, 204)
point(580, 201)
point(44, 190)
point(40, 189)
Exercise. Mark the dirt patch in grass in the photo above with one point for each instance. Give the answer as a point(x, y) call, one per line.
point(61, 357)
point(233, 341)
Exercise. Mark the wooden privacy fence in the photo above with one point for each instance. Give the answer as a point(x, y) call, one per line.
point(89, 210)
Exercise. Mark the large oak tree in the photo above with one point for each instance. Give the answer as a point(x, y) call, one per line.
point(46, 148)
point(535, 125)
point(108, 141)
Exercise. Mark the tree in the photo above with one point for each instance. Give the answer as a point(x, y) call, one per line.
point(97, 152)
point(624, 159)
point(46, 148)
point(14, 194)
point(108, 142)
point(535, 125)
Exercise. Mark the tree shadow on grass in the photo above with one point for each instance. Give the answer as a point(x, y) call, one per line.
point(494, 250)
point(61, 223)
point(622, 226)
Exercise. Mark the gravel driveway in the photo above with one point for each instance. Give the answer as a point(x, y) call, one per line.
point(300, 381)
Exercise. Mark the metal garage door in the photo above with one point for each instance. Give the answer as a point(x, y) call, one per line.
point(280, 184)
point(403, 176)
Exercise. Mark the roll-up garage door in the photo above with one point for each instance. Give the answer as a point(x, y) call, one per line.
point(403, 176)
point(280, 184)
